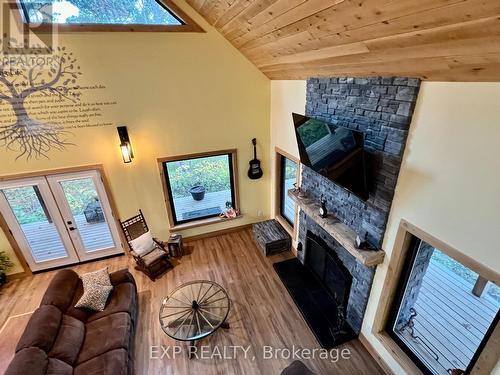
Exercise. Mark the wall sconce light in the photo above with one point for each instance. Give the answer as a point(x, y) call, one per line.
point(125, 146)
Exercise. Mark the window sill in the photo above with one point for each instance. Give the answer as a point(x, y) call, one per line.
point(203, 222)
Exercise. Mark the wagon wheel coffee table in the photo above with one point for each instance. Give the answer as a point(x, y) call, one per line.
point(193, 311)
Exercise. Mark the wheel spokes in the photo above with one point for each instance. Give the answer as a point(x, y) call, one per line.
point(206, 320)
point(178, 300)
point(213, 294)
point(182, 323)
point(204, 294)
point(211, 313)
point(216, 300)
point(176, 313)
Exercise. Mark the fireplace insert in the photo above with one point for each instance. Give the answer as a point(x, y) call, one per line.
point(320, 288)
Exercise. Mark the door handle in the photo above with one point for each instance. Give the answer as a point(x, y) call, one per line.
point(72, 228)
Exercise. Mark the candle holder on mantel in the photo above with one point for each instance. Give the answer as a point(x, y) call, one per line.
point(302, 194)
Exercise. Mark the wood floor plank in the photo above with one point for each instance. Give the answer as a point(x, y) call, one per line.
point(262, 312)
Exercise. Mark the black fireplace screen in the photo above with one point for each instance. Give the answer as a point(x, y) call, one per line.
point(328, 268)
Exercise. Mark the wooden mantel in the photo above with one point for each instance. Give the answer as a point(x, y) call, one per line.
point(344, 235)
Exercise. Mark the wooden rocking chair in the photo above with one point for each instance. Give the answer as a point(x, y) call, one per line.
point(154, 263)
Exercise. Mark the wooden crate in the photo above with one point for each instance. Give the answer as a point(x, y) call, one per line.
point(271, 237)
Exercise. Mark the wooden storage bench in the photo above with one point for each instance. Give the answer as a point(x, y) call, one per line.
point(271, 237)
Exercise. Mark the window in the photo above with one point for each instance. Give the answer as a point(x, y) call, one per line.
point(444, 312)
point(199, 187)
point(287, 172)
point(90, 15)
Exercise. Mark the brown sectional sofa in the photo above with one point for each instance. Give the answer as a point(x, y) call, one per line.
point(61, 339)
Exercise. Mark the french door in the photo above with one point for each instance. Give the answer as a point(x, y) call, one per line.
point(60, 219)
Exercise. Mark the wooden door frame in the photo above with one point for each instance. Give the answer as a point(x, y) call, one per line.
point(107, 187)
point(488, 357)
point(277, 191)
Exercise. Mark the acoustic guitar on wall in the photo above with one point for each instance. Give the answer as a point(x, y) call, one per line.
point(255, 171)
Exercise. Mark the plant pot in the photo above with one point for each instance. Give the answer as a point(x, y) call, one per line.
point(3, 278)
point(197, 192)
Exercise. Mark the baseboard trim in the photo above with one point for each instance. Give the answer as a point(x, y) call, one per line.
point(217, 232)
point(18, 275)
point(369, 347)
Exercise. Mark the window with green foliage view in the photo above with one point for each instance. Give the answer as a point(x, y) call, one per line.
point(104, 12)
point(200, 187)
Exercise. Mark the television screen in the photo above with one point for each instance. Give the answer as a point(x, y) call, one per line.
point(333, 151)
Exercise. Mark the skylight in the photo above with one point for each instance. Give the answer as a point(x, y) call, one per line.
point(98, 12)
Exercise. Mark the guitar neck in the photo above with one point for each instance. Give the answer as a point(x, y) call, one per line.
point(254, 142)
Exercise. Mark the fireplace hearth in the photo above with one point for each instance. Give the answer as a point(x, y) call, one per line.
point(320, 288)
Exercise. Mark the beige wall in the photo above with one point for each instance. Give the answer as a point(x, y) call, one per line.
point(177, 94)
point(450, 176)
point(286, 97)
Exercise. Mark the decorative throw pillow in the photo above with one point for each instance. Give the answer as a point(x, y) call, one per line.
point(97, 277)
point(94, 296)
point(143, 244)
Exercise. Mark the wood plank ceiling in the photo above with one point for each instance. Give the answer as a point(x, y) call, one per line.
point(439, 40)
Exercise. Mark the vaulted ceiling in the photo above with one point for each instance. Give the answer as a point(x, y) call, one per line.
point(439, 40)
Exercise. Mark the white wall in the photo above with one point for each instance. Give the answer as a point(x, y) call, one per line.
point(450, 176)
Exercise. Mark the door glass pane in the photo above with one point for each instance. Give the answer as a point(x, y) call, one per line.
point(288, 178)
point(446, 311)
point(36, 223)
point(200, 187)
point(83, 200)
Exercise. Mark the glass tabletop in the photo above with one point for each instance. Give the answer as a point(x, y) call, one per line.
point(194, 310)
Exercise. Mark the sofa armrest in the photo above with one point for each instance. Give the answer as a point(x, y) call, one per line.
point(121, 276)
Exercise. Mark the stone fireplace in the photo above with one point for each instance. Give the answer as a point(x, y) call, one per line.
point(381, 108)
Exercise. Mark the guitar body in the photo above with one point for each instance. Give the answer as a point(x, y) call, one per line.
point(255, 171)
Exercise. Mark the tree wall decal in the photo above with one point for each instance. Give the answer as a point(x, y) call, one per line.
point(53, 72)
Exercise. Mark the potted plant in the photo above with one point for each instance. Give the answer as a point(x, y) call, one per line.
point(197, 192)
point(5, 265)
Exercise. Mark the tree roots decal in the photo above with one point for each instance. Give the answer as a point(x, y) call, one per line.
point(46, 72)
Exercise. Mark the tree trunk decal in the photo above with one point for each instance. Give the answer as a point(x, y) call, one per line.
point(54, 73)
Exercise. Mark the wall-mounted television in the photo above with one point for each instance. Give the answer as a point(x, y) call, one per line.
point(333, 151)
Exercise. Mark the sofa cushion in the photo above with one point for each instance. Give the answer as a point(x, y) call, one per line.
point(69, 340)
point(61, 290)
point(123, 298)
point(32, 361)
point(114, 362)
point(97, 277)
point(154, 256)
point(57, 367)
point(102, 335)
point(121, 276)
point(80, 314)
point(42, 329)
point(143, 244)
point(94, 296)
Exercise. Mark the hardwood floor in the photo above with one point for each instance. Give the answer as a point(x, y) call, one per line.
point(262, 312)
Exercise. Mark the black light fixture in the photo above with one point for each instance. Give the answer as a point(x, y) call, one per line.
point(125, 146)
